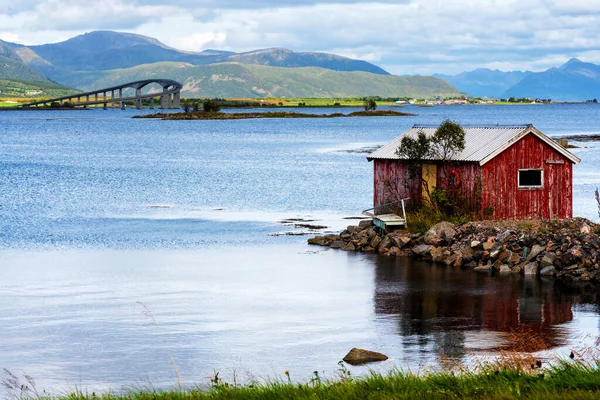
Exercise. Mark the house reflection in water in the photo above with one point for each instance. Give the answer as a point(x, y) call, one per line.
point(451, 312)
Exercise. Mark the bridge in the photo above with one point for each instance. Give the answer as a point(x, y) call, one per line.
point(114, 97)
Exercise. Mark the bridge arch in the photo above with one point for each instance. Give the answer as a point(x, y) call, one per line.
point(169, 97)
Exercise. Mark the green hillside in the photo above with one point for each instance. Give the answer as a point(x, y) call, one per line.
point(17, 69)
point(239, 80)
point(13, 88)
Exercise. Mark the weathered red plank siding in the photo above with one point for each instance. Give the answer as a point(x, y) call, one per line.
point(470, 182)
point(390, 179)
point(500, 184)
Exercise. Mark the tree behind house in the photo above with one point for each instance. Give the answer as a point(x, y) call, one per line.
point(447, 141)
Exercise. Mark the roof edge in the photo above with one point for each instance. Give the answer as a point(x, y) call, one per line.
point(539, 134)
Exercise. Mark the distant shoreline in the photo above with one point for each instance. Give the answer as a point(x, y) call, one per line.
point(202, 115)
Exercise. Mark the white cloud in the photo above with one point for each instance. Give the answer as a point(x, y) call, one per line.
point(10, 37)
point(417, 36)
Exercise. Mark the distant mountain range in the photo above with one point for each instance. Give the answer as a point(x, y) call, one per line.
point(483, 82)
point(573, 81)
point(103, 58)
point(90, 60)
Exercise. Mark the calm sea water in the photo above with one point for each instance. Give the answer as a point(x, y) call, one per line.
point(102, 216)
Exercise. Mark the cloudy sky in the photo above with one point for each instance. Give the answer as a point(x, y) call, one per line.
point(404, 36)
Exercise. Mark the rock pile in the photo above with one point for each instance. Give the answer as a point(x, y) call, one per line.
point(568, 249)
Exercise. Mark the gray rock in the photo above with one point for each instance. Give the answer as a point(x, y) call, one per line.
point(450, 260)
point(504, 235)
point(475, 244)
point(531, 268)
point(361, 356)
point(337, 244)
point(352, 228)
point(436, 254)
point(548, 259)
point(535, 250)
point(585, 228)
point(548, 271)
point(422, 249)
point(366, 223)
point(489, 244)
point(349, 247)
point(440, 233)
point(400, 241)
point(482, 268)
point(318, 240)
point(467, 252)
point(385, 244)
point(504, 269)
point(375, 241)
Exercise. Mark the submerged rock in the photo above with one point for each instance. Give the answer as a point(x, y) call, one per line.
point(358, 356)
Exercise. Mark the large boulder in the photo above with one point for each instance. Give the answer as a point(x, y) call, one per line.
point(318, 240)
point(375, 241)
point(399, 240)
point(349, 247)
point(359, 356)
point(436, 254)
point(535, 250)
point(385, 244)
point(366, 223)
point(530, 269)
point(548, 259)
point(548, 271)
point(441, 233)
point(422, 249)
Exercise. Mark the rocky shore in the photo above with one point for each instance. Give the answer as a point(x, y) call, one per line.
point(567, 249)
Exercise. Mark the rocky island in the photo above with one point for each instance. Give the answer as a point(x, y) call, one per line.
point(568, 249)
point(203, 115)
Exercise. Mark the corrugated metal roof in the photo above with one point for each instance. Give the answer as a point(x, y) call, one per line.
point(480, 141)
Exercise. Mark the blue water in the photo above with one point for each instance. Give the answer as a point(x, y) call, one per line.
point(99, 211)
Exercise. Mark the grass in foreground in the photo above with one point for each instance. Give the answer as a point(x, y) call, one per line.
point(566, 380)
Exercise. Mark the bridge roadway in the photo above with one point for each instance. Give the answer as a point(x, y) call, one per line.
point(169, 97)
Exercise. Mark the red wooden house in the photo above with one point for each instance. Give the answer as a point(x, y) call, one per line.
point(504, 172)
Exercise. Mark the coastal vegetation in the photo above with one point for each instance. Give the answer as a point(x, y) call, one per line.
point(511, 377)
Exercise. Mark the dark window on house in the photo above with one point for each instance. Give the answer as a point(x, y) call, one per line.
point(531, 178)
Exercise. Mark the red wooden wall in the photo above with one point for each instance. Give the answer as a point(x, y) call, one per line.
point(389, 183)
point(470, 183)
point(500, 184)
point(390, 177)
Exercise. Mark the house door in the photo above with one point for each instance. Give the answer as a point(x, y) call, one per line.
point(429, 174)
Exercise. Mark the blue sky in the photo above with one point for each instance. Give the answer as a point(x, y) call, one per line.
point(404, 37)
